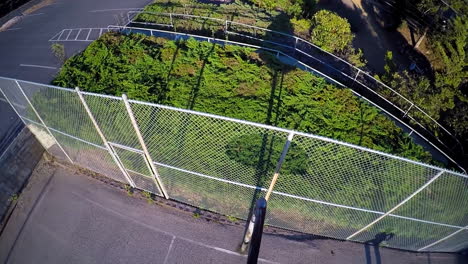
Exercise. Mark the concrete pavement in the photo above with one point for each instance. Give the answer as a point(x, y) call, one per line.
point(66, 216)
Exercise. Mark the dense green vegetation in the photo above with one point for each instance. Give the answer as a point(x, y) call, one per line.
point(324, 28)
point(237, 11)
point(443, 92)
point(442, 95)
point(232, 81)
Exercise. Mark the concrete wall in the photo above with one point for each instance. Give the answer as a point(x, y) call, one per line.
point(16, 165)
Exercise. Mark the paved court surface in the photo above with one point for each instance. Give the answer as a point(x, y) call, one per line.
point(65, 216)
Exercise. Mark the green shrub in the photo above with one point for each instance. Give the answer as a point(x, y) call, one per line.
point(330, 31)
point(59, 51)
point(301, 27)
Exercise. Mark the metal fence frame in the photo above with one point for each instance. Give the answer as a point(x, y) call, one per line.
point(353, 76)
point(279, 54)
point(17, 90)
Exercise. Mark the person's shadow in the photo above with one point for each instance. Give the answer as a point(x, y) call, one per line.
point(375, 243)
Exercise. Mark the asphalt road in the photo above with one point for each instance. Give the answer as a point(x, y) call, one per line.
point(25, 50)
point(64, 216)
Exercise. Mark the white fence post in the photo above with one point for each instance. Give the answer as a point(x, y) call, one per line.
point(106, 143)
point(250, 228)
point(156, 178)
point(398, 205)
point(42, 121)
point(357, 74)
point(279, 165)
point(407, 111)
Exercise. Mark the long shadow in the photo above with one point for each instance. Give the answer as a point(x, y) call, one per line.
point(265, 164)
point(264, 167)
point(375, 244)
point(168, 76)
point(43, 192)
point(196, 88)
point(299, 237)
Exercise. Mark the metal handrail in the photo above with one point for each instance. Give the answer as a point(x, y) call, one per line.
point(314, 46)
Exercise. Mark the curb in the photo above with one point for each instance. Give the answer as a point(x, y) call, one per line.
point(10, 23)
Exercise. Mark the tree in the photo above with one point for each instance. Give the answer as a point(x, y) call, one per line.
point(330, 31)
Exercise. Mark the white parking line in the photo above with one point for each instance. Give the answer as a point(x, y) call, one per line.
point(87, 37)
point(38, 66)
point(79, 31)
point(34, 15)
point(11, 29)
point(136, 221)
point(116, 9)
point(169, 250)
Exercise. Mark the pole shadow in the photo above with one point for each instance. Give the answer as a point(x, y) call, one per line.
point(375, 245)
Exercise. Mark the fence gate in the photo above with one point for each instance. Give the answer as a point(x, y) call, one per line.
point(137, 167)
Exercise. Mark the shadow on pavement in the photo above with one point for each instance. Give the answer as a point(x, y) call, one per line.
point(23, 225)
point(375, 244)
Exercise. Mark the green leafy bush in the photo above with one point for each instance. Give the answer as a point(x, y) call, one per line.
point(330, 31)
point(301, 27)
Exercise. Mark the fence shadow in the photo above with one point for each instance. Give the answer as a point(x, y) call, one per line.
point(196, 87)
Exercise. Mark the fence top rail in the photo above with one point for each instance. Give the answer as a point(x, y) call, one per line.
point(321, 138)
point(315, 46)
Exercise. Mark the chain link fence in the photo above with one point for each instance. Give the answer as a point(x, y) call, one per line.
point(324, 187)
point(311, 55)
